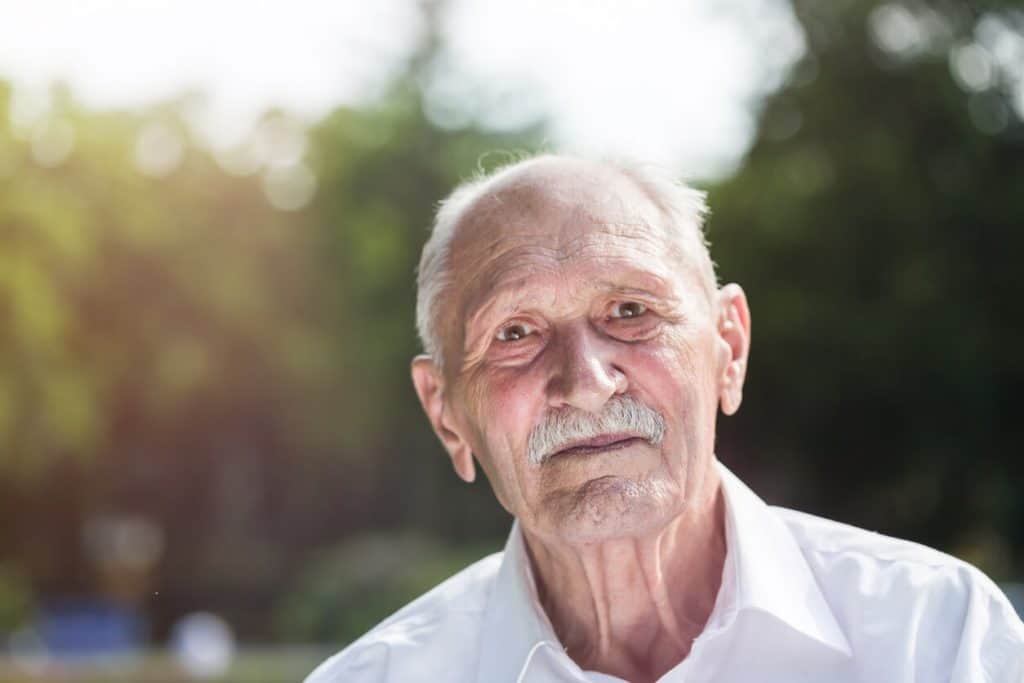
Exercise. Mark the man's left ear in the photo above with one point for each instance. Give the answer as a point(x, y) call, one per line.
point(733, 320)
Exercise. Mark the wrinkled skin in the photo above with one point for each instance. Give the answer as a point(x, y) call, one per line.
point(569, 290)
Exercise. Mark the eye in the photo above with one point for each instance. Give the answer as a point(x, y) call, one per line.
point(514, 332)
point(628, 309)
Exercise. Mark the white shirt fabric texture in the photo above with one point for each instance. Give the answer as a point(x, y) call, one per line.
point(802, 599)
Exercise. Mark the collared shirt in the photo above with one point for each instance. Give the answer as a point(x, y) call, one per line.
point(802, 599)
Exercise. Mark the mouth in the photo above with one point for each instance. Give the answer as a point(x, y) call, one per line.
point(599, 444)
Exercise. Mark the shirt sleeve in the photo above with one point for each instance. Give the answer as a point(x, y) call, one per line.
point(992, 644)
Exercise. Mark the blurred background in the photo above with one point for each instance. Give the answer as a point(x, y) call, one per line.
point(212, 462)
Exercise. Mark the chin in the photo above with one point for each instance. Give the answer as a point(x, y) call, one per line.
point(611, 507)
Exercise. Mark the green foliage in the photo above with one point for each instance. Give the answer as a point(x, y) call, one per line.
point(348, 589)
point(16, 599)
point(175, 343)
point(877, 241)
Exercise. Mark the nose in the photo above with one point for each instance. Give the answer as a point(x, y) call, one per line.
point(583, 374)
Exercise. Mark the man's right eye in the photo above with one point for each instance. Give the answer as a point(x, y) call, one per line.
point(514, 332)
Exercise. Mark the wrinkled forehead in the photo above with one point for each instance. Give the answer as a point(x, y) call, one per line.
point(561, 207)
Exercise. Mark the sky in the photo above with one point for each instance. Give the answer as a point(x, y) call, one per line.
point(670, 81)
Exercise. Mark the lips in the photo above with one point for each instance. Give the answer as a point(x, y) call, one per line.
point(599, 444)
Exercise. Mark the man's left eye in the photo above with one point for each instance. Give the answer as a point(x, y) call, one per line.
point(628, 309)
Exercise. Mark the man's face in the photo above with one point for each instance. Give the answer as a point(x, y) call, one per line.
point(569, 303)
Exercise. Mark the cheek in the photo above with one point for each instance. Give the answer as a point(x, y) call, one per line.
point(516, 398)
point(508, 405)
point(678, 374)
point(668, 368)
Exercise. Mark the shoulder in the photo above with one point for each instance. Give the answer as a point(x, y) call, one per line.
point(827, 537)
point(880, 565)
point(432, 636)
point(890, 593)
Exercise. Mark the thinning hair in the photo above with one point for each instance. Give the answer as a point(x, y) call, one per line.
point(683, 209)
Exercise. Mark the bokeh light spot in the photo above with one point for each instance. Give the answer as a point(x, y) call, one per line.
point(1004, 43)
point(159, 150)
point(895, 30)
point(28, 108)
point(289, 188)
point(53, 140)
point(204, 645)
point(971, 66)
point(279, 141)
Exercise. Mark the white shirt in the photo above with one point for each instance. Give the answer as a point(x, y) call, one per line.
point(802, 599)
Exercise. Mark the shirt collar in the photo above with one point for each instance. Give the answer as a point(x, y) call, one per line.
point(765, 571)
point(515, 625)
point(771, 573)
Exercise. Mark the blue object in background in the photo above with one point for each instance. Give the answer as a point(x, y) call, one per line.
point(90, 628)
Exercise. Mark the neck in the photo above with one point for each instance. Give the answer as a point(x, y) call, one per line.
point(632, 606)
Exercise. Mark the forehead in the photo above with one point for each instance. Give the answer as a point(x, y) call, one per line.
point(572, 229)
point(559, 207)
point(556, 200)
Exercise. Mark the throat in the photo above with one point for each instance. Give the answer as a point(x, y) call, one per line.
point(632, 607)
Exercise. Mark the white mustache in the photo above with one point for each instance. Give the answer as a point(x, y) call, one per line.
point(560, 428)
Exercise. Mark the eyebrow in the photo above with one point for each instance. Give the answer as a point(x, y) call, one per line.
point(651, 284)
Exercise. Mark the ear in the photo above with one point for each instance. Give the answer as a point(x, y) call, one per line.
point(429, 383)
point(733, 321)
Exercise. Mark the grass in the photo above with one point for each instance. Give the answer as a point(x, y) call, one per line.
point(271, 664)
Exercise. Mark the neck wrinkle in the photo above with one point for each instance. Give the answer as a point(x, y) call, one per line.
point(657, 586)
point(624, 604)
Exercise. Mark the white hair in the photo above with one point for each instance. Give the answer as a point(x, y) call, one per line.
point(682, 207)
point(558, 429)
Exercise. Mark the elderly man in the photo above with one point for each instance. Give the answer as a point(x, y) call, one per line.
point(578, 349)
